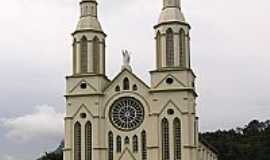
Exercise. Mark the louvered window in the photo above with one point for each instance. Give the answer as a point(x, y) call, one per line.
point(169, 48)
point(182, 48)
point(177, 140)
point(165, 139)
point(77, 141)
point(158, 49)
point(96, 55)
point(84, 55)
point(88, 141)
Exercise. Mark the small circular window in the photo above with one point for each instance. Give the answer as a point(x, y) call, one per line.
point(83, 85)
point(170, 111)
point(169, 81)
point(83, 115)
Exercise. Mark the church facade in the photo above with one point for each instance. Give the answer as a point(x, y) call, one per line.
point(125, 118)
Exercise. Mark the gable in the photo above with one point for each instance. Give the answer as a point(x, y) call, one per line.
point(82, 87)
point(134, 82)
point(169, 82)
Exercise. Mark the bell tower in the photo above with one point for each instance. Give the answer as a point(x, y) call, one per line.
point(172, 38)
point(173, 81)
point(89, 42)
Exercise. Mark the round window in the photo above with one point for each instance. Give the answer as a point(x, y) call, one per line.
point(127, 113)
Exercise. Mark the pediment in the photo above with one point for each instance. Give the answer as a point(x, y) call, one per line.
point(169, 82)
point(127, 155)
point(77, 89)
point(83, 109)
point(133, 80)
point(170, 105)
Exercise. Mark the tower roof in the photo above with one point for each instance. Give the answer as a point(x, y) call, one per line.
point(89, 19)
point(171, 12)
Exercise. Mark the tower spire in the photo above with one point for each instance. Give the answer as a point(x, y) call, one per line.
point(172, 38)
point(89, 42)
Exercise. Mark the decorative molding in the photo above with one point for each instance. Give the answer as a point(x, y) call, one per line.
point(81, 81)
point(172, 22)
point(170, 75)
point(88, 111)
point(175, 106)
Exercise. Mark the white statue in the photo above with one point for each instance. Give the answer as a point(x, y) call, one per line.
point(126, 60)
point(126, 57)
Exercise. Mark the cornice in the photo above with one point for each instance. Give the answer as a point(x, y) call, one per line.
point(172, 22)
point(167, 69)
point(188, 89)
point(89, 30)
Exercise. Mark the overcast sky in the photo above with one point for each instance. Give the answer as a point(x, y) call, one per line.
point(230, 55)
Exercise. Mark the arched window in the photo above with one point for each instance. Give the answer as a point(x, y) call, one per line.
point(169, 48)
point(84, 55)
point(103, 55)
point(96, 55)
point(182, 48)
point(135, 143)
point(77, 141)
point(158, 49)
point(110, 144)
point(88, 141)
point(74, 55)
point(165, 139)
point(144, 145)
point(118, 144)
point(126, 84)
point(177, 138)
point(134, 88)
point(126, 140)
point(117, 88)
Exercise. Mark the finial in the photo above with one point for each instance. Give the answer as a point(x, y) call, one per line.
point(126, 60)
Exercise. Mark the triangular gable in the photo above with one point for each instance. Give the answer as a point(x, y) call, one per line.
point(129, 73)
point(78, 89)
point(127, 155)
point(176, 83)
point(170, 103)
point(83, 107)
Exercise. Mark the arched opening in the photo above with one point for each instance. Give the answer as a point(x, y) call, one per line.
point(117, 88)
point(74, 56)
point(135, 143)
point(169, 48)
point(118, 144)
point(158, 49)
point(84, 55)
point(182, 48)
point(110, 146)
point(144, 145)
point(177, 138)
point(88, 141)
point(126, 84)
point(77, 141)
point(96, 55)
point(134, 88)
point(165, 139)
point(126, 140)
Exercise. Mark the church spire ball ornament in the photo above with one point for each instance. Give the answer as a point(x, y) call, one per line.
point(125, 118)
